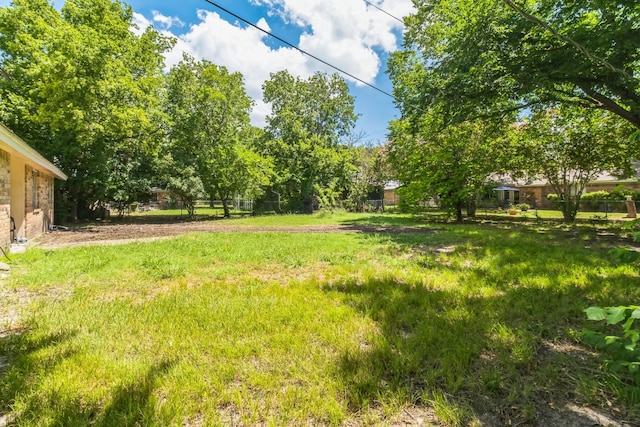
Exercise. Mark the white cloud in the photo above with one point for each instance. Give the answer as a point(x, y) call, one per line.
point(348, 34)
point(240, 50)
point(166, 21)
point(140, 23)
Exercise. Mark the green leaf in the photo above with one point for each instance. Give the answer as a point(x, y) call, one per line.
point(630, 256)
point(636, 313)
point(610, 339)
point(596, 313)
point(615, 315)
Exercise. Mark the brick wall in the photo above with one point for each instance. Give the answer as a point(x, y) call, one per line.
point(539, 194)
point(5, 198)
point(38, 202)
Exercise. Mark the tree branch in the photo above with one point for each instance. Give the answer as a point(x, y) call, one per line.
point(611, 105)
point(566, 39)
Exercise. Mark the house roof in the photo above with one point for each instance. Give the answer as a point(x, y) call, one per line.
point(392, 185)
point(20, 148)
point(604, 178)
point(505, 188)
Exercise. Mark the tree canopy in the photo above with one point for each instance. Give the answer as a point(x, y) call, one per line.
point(82, 88)
point(453, 165)
point(209, 110)
point(308, 119)
point(569, 150)
point(482, 58)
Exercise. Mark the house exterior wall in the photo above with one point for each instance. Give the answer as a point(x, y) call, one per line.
point(537, 195)
point(38, 202)
point(390, 198)
point(5, 197)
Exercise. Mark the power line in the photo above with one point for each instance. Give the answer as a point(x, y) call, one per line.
point(385, 12)
point(214, 4)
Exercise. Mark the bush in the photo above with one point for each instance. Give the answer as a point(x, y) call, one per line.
point(523, 207)
point(553, 197)
point(621, 346)
point(592, 201)
point(595, 195)
point(620, 195)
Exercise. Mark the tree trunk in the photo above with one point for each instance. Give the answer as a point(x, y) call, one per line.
point(225, 208)
point(569, 210)
point(307, 205)
point(459, 206)
point(471, 208)
point(73, 212)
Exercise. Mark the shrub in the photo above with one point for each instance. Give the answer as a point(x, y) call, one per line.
point(620, 195)
point(523, 207)
point(621, 347)
point(592, 201)
point(595, 195)
point(553, 197)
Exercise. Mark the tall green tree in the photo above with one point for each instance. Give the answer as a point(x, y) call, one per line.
point(454, 164)
point(480, 58)
point(81, 88)
point(308, 119)
point(570, 149)
point(210, 130)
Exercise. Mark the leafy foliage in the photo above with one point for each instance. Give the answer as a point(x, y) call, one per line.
point(210, 129)
point(186, 185)
point(484, 58)
point(308, 119)
point(570, 149)
point(452, 164)
point(83, 88)
point(621, 348)
point(370, 174)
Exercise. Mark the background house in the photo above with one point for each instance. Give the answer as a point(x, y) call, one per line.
point(26, 189)
point(536, 193)
point(390, 195)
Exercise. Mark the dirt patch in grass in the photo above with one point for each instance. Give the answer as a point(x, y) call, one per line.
point(149, 229)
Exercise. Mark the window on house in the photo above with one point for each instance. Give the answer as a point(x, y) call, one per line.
point(34, 179)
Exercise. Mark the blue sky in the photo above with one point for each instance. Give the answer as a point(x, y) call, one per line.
point(349, 34)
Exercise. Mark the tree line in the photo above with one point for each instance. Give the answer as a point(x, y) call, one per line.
point(91, 95)
point(485, 89)
point(495, 88)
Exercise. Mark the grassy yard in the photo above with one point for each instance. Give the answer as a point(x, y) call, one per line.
point(474, 322)
point(204, 212)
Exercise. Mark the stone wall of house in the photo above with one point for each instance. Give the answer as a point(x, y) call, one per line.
point(38, 213)
point(537, 196)
point(611, 187)
point(391, 198)
point(5, 198)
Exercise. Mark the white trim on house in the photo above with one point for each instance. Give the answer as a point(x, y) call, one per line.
point(22, 149)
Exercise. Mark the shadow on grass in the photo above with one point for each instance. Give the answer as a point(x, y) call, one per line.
point(29, 357)
point(385, 220)
point(131, 403)
point(499, 344)
point(22, 360)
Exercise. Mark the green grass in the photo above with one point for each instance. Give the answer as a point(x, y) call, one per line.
point(552, 214)
point(398, 219)
point(310, 328)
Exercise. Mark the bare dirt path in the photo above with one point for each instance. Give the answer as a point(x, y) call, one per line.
point(132, 231)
